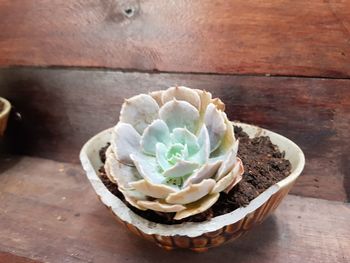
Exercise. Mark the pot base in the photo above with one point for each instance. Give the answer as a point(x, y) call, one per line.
point(216, 238)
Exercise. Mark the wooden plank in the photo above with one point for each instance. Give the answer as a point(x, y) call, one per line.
point(61, 109)
point(309, 38)
point(49, 212)
point(11, 258)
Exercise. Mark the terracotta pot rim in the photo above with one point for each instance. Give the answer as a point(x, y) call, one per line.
point(91, 163)
point(6, 109)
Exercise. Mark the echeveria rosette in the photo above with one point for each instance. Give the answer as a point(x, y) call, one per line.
point(173, 151)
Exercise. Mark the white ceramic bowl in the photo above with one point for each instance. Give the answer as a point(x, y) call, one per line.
point(203, 235)
point(4, 114)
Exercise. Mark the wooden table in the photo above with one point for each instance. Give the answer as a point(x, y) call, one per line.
point(50, 213)
point(66, 67)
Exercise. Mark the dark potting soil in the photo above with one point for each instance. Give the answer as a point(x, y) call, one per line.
point(264, 165)
point(1, 106)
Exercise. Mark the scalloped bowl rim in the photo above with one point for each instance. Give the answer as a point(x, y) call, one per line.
point(90, 161)
point(7, 107)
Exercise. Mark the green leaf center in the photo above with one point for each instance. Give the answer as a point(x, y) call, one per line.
point(176, 152)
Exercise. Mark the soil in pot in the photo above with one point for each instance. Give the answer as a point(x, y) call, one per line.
point(2, 105)
point(264, 165)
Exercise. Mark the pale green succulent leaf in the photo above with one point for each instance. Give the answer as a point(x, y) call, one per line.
point(121, 173)
point(181, 168)
point(157, 132)
point(185, 137)
point(204, 172)
point(139, 111)
point(161, 152)
point(216, 126)
point(203, 153)
point(176, 152)
point(125, 140)
point(185, 153)
point(179, 114)
point(147, 167)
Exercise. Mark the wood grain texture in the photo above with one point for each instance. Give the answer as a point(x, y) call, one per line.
point(61, 109)
point(49, 212)
point(11, 258)
point(309, 38)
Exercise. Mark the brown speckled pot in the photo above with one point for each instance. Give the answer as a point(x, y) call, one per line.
point(196, 236)
point(215, 238)
point(4, 114)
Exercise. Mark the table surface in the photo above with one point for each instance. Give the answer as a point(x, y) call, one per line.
point(49, 213)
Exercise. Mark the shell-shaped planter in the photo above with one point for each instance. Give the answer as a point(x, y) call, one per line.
point(4, 115)
point(196, 236)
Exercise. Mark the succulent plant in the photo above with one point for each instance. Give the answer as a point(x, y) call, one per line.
point(173, 151)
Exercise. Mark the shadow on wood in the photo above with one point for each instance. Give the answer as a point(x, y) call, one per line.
point(61, 109)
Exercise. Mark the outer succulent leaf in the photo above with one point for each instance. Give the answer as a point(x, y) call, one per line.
point(119, 173)
point(153, 190)
point(227, 141)
point(125, 140)
point(191, 193)
point(202, 156)
point(132, 193)
point(181, 168)
point(198, 206)
point(147, 168)
point(157, 96)
point(185, 137)
point(228, 163)
point(218, 104)
point(161, 207)
point(108, 173)
point(181, 93)
point(215, 124)
point(205, 98)
point(238, 178)
point(204, 172)
point(231, 179)
point(179, 114)
point(107, 166)
point(132, 196)
point(155, 133)
point(139, 111)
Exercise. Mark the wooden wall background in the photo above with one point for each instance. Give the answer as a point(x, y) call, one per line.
point(308, 38)
point(284, 65)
